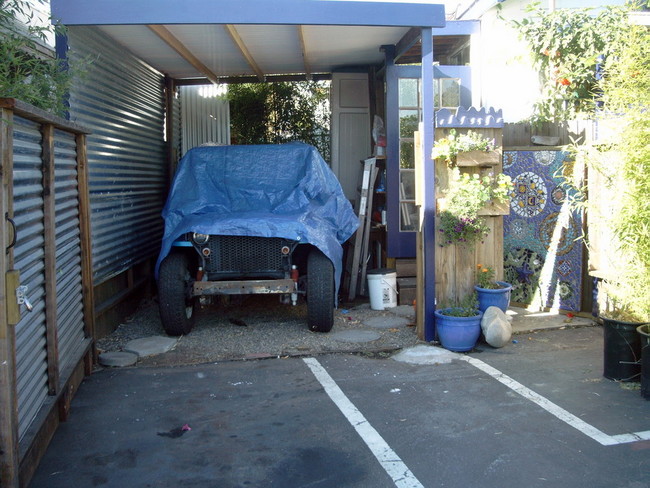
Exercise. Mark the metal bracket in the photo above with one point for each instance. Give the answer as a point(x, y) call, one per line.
point(21, 297)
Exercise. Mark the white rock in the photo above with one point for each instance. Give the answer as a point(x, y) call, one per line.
point(496, 327)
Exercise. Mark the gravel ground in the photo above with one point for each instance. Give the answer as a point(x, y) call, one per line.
point(258, 326)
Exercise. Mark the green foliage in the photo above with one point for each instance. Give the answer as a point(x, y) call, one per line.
point(28, 70)
point(273, 113)
point(465, 307)
point(485, 277)
point(449, 147)
point(567, 47)
point(627, 88)
point(467, 194)
point(623, 161)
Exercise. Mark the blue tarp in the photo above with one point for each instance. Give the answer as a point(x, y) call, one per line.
point(284, 190)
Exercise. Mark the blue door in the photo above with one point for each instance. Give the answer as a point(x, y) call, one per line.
point(403, 109)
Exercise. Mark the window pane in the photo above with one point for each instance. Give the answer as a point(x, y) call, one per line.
point(450, 92)
point(436, 94)
point(407, 154)
point(409, 217)
point(407, 184)
point(408, 123)
point(408, 92)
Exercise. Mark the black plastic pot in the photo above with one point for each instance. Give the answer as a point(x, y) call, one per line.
point(644, 335)
point(622, 350)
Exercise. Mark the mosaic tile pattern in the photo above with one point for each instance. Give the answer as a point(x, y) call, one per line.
point(543, 260)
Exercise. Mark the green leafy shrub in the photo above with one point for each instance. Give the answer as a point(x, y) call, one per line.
point(28, 69)
point(274, 113)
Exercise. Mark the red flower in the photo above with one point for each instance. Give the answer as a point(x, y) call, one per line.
point(564, 81)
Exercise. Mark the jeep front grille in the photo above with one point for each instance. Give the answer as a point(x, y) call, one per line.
point(244, 256)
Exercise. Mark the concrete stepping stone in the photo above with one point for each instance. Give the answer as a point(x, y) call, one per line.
point(386, 322)
point(403, 311)
point(357, 336)
point(118, 359)
point(425, 355)
point(148, 346)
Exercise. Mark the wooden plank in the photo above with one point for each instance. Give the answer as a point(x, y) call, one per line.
point(86, 239)
point(49, 236)
point(9, 453)
point(41, 116)
point(362, 208)
point(366, 231)
point(173, 42)
point(406, 267)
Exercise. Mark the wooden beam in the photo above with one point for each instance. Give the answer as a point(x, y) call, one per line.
point(9, 455)
point(173, 42)
point(407, 41)
point(49, 236)
point(303, 50)
point(252, 79)
point(239, 42)
point(87, 287)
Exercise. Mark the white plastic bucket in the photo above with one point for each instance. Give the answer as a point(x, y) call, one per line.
point(382, 287)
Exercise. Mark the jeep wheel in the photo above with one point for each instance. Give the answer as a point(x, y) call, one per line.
point(320, 292)
point(175, 304)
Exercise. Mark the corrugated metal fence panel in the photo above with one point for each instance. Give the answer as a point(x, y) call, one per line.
point(122, 101)
point(205, 116)
point(70, 325)
point(31, 358)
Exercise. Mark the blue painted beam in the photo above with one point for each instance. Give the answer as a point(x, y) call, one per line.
point(429, 204)
point(269, 12)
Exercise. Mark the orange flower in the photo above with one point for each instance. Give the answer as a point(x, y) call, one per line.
point(484, 270)
point(479, 266)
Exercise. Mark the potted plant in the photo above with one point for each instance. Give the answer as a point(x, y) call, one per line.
point(469, 149)
point(491, 293)
point(462, 208)
point(624, 318)
point(459, 325)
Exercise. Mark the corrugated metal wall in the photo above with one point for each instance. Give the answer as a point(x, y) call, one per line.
point(29, 258)
point(122, 101)
point(69, 296)
point(205, 116)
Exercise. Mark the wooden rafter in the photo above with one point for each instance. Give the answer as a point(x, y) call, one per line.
point(303, 49)
point(173, 42)
point(239, 42)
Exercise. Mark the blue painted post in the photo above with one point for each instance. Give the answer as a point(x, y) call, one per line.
point(61, 49)
point(429, 213)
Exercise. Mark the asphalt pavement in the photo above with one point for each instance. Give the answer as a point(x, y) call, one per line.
point(536, 413)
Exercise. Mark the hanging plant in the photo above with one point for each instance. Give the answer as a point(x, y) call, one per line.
point(454, 144)
point(467, 194)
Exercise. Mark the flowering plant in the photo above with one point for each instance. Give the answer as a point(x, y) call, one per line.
point(467, 194)
point(485, 277)
point(464, 307)
point(449, 147)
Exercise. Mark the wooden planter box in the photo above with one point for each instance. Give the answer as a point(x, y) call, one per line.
point(496, 208)
point(478, 158)
point(491, 209)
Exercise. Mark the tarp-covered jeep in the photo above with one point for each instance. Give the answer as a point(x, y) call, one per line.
point(252, 219)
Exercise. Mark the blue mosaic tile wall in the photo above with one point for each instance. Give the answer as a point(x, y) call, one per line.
point(543, 260)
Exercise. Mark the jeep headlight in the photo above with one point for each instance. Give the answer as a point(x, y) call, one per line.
point(200, 238)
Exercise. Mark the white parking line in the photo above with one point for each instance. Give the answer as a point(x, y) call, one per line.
point(553, 409)
point(389, 460)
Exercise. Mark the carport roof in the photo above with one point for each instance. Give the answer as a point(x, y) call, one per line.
point(218, 41)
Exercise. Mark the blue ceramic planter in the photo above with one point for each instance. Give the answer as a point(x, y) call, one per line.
point(494, 298)
point(458, 333)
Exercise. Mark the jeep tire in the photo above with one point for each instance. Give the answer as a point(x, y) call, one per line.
point(320, 292)
point(174, 301)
